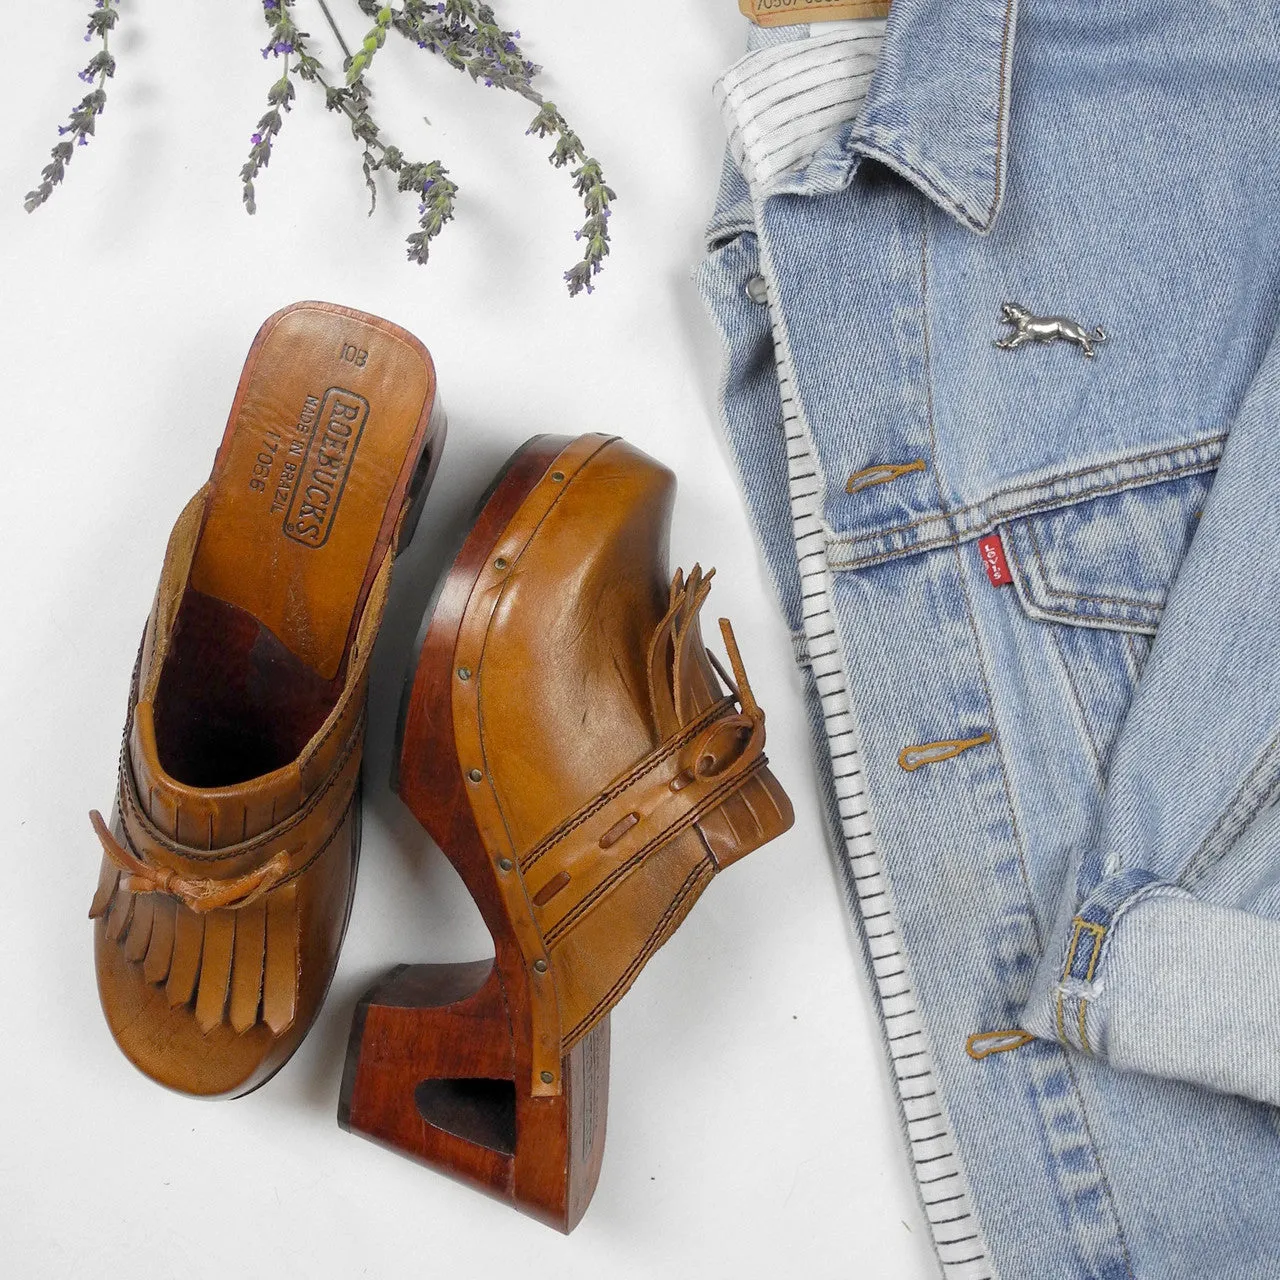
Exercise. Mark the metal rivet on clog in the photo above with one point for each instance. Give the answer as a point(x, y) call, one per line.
point(540, 966)
point(464, 673)
point(758, 289)
point(499, 563)
point(557, 476)
point(505, 864)
point(547, 1077)
point(476, 776)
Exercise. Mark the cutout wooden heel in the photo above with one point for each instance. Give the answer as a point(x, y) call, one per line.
point(569, 746)
point(431, 1072)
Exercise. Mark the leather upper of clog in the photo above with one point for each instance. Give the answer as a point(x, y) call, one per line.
point(222, 901)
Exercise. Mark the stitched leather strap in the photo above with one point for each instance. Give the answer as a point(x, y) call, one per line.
point(665, 795)
point(652, 764)
point(322, 812)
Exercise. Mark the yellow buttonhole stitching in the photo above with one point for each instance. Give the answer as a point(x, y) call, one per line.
point(913, 758)
point(985, 1043)
point(881, 474)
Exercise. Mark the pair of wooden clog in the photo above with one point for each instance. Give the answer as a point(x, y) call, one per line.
point(567, 740)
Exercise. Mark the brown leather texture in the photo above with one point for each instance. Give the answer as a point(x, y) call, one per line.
point(229, 863)
point(606, 759)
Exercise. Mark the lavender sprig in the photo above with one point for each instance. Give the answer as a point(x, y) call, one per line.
point(430, 182)
point(436, 197)
point(82, 123)
point(464, 33)
point(284, 41)
point(469, 39)
point(597, 197)
point(359, 64)
point(355, 100)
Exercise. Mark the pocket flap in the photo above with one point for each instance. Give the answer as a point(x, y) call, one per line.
point(1109, 561)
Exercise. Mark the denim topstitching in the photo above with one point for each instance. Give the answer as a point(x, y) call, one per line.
point(1203, 456)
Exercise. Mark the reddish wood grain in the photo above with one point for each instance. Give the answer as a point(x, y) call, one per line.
point(470, 1023)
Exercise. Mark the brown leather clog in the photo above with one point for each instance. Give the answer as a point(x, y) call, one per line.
point(568, 744)
point(229, 865)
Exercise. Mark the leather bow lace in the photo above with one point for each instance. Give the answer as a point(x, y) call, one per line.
point(200, 895)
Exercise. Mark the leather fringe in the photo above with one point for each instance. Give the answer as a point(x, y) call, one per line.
point(240, 967)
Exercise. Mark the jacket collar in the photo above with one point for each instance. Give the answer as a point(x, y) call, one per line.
point(937, 111)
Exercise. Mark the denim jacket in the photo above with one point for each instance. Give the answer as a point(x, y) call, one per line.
point(1036, 588)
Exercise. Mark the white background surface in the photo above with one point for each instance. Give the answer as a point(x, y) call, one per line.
point(751, 1132)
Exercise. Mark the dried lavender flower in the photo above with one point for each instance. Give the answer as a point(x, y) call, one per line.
point(359, 63)
point(282, 43)
point(82, 123)
point(435, 206)
point(464, 33)
point(469, 39)
point(430, 182)
point(588, 181)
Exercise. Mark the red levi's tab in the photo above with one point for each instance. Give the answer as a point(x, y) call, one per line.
point(991, 549)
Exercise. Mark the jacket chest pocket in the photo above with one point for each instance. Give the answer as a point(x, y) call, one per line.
point(1106, 562)
point(1092, 580)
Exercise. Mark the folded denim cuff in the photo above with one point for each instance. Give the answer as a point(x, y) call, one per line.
point(1152, 979)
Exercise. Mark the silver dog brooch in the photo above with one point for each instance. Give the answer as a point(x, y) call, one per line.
point(1029, 328)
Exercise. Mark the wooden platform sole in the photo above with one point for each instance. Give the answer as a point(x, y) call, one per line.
point(441, 1060)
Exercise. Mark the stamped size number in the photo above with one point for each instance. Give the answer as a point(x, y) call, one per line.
point(354, 355)
point(262, 463)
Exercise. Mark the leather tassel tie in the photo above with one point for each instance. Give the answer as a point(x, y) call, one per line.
point(678, 693)
point(200, 895)
point(729, 739)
